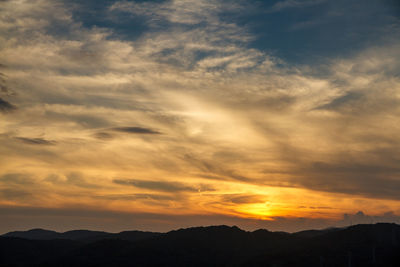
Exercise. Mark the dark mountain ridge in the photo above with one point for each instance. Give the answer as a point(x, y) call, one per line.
point(80, 235)
point(359, 245)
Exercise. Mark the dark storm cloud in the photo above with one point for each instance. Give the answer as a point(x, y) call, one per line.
point(161, 186)
point(6, 106)
point(35, 141)
point(135, 130)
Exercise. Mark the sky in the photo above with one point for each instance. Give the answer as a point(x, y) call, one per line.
point(157, 115)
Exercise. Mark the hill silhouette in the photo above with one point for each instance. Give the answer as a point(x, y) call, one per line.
point(80, 235)
point(359, 245)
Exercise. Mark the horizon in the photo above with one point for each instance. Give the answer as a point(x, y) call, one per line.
point(250, 226)
point(195, 227)
point(166, 114)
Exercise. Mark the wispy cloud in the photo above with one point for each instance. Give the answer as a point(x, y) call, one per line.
point(103, 135)
point(73, 178)
point(135, 130)
point(284, 4)
point(161, 185)
point(151, 197)
point(35, 141)
point(176, 11)
point(17, 179)
point(15, 194)
point(5, 106)
point(243, 198)
point(342, 101)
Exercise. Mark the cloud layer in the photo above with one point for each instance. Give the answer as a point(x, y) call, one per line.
point(205, 120)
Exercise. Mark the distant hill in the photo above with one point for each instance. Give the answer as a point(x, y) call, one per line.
point(80, 235)
point(38, 234)
point(359, 245)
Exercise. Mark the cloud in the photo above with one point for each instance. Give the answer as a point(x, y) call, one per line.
point(35, 141)
point(82, 119)
point(190, 34)
point(171, 187)
point(212, 171)
point(183, 12)
point(17, 179)
point(103, 136)
point(346, 100)
point(243, 199)
point(15, 194)
point(6, 106)
point(3, 86)
point(351, 177)
point(73, 178)
point(150, 197)
point(135, 130)
point(285, 4)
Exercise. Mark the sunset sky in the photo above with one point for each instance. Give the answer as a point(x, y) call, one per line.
point(157, 115)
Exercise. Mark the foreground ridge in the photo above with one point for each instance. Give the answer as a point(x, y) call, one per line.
point(358, 245)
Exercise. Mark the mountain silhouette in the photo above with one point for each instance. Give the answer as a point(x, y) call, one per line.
point(80, 235)
point(38, 234)
point(359, 245)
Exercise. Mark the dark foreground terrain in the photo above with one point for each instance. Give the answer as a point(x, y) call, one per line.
point(359, 245)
